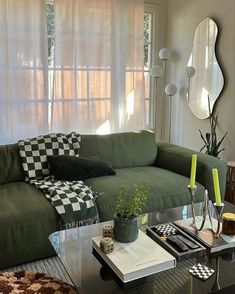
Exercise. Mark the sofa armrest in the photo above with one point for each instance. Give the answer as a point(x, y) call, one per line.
point(178, 159)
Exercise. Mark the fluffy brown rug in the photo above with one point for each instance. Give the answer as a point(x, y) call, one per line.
point(25, 282)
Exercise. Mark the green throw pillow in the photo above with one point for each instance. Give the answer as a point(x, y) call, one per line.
point(73, 168)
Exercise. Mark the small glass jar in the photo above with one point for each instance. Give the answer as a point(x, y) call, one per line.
point(228, 224)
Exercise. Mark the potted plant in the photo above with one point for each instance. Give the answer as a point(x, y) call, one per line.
point(211, 143)
point(128, 208)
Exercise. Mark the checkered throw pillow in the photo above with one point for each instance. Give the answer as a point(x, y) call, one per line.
point(34, 152)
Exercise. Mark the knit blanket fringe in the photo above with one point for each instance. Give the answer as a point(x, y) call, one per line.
point(85, 222)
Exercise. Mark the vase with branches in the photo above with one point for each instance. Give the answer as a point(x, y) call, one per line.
point(212, 145)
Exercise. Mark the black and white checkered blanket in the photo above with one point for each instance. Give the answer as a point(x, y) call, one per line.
point(73, 201)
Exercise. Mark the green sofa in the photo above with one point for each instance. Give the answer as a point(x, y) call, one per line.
point(27, 218)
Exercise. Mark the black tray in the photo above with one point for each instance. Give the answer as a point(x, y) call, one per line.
point(200, 251)
point(214, 246)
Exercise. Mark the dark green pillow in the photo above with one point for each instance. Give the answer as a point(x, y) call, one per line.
point(73, 168)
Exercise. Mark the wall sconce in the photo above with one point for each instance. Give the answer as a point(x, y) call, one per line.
point(170, 91)
point(190, 73)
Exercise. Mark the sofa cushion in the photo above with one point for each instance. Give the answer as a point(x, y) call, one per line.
point(10, 164)
point(73, 168)
point(167, 189)
point(25, 215)
point(121, 150)
point(34, 152)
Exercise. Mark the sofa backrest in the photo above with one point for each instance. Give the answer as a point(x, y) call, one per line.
point(137, 148)
point(10, 164)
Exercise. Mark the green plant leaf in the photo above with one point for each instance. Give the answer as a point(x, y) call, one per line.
point(220, 142)
point(131, 205)
point(211, 143)
point(202, 137)
point(208, 137)
point(202, 148)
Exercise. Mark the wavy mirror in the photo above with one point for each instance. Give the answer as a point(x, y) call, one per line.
point(208, 79)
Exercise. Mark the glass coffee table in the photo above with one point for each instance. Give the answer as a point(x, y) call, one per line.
point(74, 248)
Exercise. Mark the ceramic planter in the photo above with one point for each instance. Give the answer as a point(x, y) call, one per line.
point(126, 230)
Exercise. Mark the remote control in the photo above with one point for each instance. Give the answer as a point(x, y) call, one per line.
point(187, 242)
point(177, 243)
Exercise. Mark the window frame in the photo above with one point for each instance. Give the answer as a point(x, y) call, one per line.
point(150, 9)
point(153, 11)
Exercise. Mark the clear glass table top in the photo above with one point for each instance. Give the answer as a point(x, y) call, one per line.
point(74, 248)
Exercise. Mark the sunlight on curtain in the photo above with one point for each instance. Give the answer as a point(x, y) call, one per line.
point(23, 63)
point(98, 69)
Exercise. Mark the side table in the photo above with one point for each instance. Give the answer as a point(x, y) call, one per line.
point(230, 182)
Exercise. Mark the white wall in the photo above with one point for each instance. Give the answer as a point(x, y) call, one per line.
point(183, 18)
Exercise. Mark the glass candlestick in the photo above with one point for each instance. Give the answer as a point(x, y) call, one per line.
point(205, 211)
point(219, 211)
point(192, 192)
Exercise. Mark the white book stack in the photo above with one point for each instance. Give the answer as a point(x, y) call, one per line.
point(135, 260)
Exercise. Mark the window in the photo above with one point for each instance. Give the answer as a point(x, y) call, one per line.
point(89, 89)
point(147, 62)
point(149, 49)
point(93, 96)
point(83, 71)
point(51, 50)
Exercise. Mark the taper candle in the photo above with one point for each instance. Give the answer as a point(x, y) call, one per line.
point(193, 171)
point(216, 186)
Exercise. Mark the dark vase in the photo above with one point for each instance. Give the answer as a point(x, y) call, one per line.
point(126, 230)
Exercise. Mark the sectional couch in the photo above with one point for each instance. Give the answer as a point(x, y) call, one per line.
point(27, 218)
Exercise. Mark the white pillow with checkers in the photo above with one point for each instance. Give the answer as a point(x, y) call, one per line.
point(34, 152)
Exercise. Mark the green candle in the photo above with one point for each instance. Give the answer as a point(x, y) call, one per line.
point(193, 171)
point(216, 186)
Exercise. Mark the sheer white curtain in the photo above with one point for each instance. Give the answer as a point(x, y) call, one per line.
point(23, 69)
point(98, 71)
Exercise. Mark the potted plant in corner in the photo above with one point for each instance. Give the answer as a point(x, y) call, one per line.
point(128, 208)
point(211, 143)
